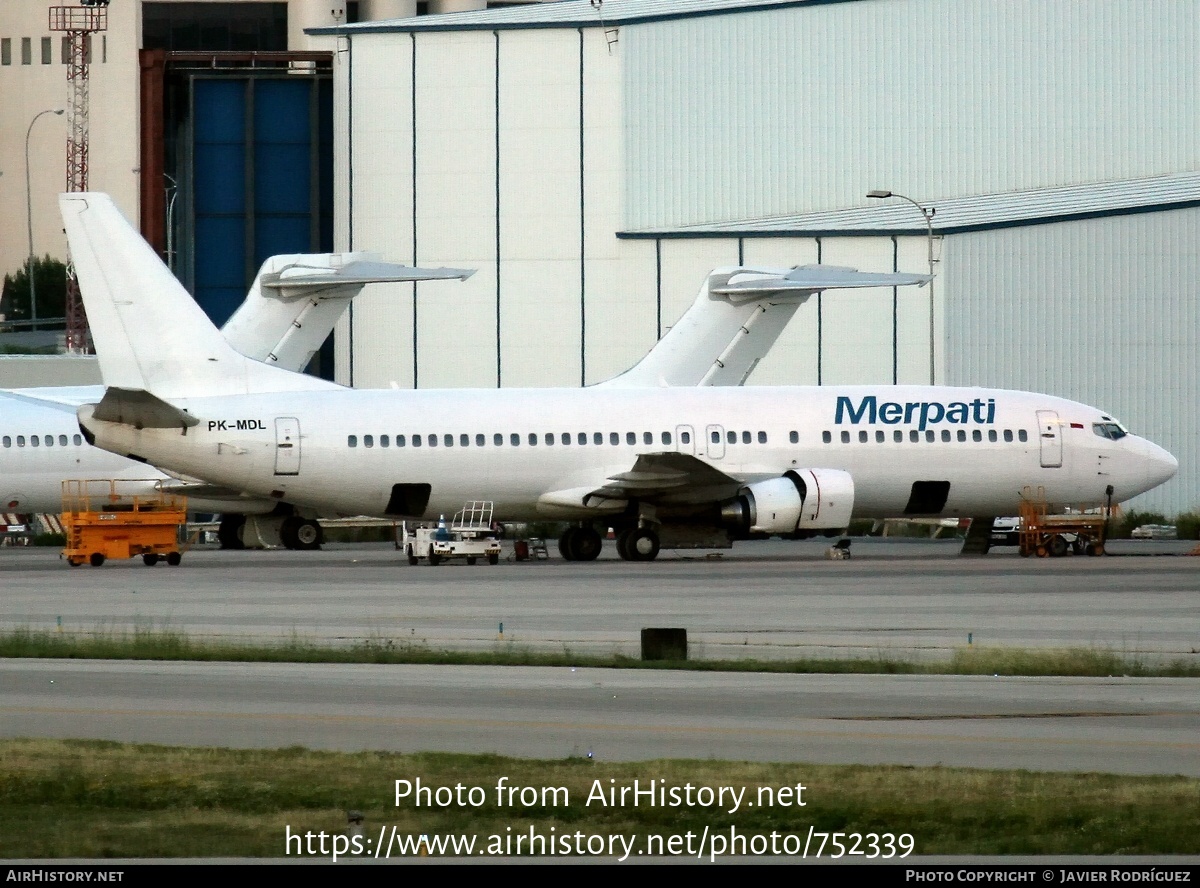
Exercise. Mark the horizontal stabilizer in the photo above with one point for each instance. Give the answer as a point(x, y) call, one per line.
point(357, 273)
point(141, 410)
point(815, 278)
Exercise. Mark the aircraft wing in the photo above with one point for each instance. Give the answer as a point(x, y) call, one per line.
point(668, 477)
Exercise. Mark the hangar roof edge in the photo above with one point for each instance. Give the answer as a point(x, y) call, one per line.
point(566, 14)
point(960, 215)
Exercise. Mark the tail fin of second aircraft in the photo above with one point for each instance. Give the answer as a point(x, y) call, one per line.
point(150, 334)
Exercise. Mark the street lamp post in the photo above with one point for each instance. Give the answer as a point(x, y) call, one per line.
point(29, 219)
point(928, 215)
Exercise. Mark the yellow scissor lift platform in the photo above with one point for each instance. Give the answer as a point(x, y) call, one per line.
point(1082, 533)
point(121, 519)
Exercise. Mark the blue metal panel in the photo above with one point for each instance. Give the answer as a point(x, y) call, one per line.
point(263, 179)
point(283, 129)
point(219, 120)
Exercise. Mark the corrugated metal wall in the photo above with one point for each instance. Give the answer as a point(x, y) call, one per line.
point(1104, 311)
point(790, 110)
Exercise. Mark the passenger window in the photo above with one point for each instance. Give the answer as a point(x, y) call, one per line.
point(400, 441)
point(464, 440)
point(1008, 436)
point(745, 437)
point(825, 436)
point(614, 439)
point(914, 436)
point(686, 437)
point(845, 437)
point(731, 437)
point(794, 437)
point(368, 440)
point(514, 439)
point(581, 439)
point(898, 436)
point(20, 440)
point(647, 437)
point(762, 437)
point(630, 438)
point(7, 441)
point(34, 441)
point(352, 441)
point(977, 435)
point(480, 440)
point(432, 441)
point(416, 439)
point(498, 439)
point(533, 439)
point(945, 435)
point(992, 436)
point(716, 437)
point(566, 437)
point(448, 440)
point(929, 436)
point(962, 435)
point(597, 438)
point(549, 438)
point(77, 440)
point(384, 441)
point(879, 436)
point(1022, 435)
point(862, 437)
point(666, 437)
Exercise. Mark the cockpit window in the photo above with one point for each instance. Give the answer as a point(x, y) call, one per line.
point(1110, 430)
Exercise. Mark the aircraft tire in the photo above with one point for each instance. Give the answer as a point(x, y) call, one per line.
point(566, 543)
point(287, 532)
point(587, 544)
point(229, 531)
point(643, 544)
point(307, 534)
point(623, 545)
point(149, 559)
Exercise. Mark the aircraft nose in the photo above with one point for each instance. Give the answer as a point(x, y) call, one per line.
point(1152, 464)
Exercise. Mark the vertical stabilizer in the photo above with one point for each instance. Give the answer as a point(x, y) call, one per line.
point(149, 333)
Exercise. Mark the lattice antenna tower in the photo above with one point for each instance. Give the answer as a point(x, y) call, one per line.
point(79, 23)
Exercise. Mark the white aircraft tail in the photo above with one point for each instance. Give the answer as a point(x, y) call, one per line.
point(756, 304)
point(296, 299)
point(150, 334)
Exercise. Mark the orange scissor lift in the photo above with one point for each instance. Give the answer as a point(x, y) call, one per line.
point(121, 519)
point(1082, 533)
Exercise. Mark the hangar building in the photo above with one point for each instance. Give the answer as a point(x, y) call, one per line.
point(595, 160)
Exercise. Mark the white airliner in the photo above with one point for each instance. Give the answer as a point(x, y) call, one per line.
point(289, 311)
point(659, 464)
point(291, 307)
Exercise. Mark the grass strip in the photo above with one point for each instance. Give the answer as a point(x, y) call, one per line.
point(61, 798)
point(148, 643)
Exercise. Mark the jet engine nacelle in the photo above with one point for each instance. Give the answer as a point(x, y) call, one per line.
point(805, 499)
point(828, 499)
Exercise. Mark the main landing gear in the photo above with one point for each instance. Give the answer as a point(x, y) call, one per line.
point(584, 544)
point(638, 544)
point(580, 544)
